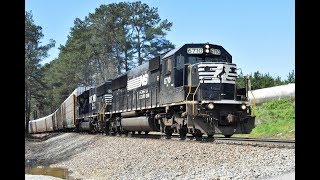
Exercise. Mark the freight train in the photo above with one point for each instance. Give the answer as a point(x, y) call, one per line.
point(188, 90)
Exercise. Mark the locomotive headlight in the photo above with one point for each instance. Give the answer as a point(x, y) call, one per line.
point(243, 107)
point(206, 46)
point(210, 106)
point(207, 50)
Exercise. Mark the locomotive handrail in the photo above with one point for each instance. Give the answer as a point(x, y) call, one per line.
point(101, 111)
point(254, 99)
point(254, 103)
point(195, 92)
point(189, 87)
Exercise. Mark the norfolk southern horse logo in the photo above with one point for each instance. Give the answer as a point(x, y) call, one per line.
point(138, 82)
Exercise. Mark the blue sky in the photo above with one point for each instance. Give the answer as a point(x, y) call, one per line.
point(260, 35)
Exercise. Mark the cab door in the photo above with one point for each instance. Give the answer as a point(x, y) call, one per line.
point(166, 80)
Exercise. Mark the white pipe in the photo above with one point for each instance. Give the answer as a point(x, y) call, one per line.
point(276, 92)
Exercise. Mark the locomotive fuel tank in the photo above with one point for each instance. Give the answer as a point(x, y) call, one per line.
point(129, 114)
point(85, 126)
point(141, 123)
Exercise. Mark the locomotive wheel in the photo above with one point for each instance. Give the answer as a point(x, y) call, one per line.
point(228, 136)
point(146, 132)
point(133, 132)
point(118, 130)
point(168, 132)
point(113, 133)
point(77, 127)
point(107, 129)
point(197, 134)
point(126, 133)
point(92, 127)
point(183, 132)
point(210, 136)
point(139, 132)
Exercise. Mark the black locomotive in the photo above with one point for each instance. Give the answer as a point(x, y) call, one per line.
point(190, 89)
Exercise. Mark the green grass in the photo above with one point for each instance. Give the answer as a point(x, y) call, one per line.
point(277, 120)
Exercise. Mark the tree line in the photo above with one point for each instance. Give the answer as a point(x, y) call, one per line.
point(106, 43)
point(259, 80)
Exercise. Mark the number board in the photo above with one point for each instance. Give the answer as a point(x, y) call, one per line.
point(194, 50)
point(215, 51)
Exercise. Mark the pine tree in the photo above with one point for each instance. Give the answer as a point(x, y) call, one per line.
point(34, 53)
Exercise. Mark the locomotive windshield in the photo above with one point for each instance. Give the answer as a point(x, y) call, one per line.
point(193, 59)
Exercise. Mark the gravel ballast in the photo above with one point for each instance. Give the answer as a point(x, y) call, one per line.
point(40, 177)
point(111, 157)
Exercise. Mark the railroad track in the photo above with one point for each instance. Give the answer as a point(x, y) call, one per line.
point(274, 143)
point(278, 143)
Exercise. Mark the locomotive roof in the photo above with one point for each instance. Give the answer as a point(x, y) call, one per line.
point(171, 52)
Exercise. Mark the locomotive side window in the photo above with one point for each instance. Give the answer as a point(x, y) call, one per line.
point(192, 60)
point(227, 58)
point(168, 65)
point(223, 58)
point(180, 62)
